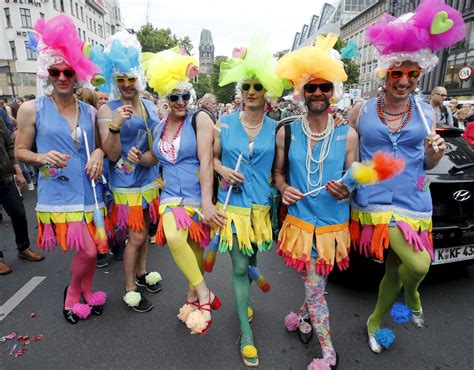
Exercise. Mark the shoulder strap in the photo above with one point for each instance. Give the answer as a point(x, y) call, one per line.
point(194, 119)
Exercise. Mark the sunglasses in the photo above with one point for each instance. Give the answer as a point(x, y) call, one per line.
point(396, 74)
point(55, 73)
point(257, 87)
point(325, 87)
point(173, 98)
point(121, 80)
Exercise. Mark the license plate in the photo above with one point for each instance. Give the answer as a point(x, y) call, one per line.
point(453, 254)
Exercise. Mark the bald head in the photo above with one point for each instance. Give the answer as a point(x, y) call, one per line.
point(438, 95)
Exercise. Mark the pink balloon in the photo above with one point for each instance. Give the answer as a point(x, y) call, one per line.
point(192, 71)
point(239, 53)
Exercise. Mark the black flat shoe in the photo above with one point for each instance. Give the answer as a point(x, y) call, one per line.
point(70, 316)
point(305, 337)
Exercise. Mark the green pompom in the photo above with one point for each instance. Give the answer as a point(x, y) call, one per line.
point(132, 298)
point(153, 277)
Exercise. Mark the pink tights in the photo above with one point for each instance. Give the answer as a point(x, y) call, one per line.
point(82, 270)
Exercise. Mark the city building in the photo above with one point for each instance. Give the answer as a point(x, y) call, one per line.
point(95, 20)
point(330, 19)
point(206, 52)
point(354, 30)
point(452, 62)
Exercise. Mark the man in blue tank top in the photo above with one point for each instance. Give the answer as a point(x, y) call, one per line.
point(392, 220)
point(315, 233)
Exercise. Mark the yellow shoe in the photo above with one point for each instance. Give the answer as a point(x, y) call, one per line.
point(248, 352)
point(250, 314)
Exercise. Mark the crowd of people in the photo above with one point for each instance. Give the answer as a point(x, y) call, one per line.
point(116, 164)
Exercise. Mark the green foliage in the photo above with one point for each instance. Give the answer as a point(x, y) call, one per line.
point(226, 93)
point(351, 68)
point(203, 85)
point(155, 39)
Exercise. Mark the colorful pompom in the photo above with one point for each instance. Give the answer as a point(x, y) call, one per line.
point(401, 313)
point(210, 260)
point(97, 298)
point(292, 322)
point(153, 277)
point(83, 311)
point(386, 165)
point(257, 276)
point(132, 298)
point(249, 351)
point(184, 312)
point(318, 364)
point(385, 337)
point(196, 322)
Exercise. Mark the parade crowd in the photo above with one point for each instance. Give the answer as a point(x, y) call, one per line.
point(115, 165)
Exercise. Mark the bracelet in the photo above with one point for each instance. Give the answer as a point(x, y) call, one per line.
point(114, 128)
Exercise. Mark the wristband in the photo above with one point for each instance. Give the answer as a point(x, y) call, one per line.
point(114, 128)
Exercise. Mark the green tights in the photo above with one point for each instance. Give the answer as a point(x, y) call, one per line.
point(241, 285)
point(403, 268)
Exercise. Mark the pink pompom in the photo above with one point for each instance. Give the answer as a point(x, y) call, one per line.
point(97, 298)
point(292, 322)
point(318, 364)
point(426, 13)
point(83, 311)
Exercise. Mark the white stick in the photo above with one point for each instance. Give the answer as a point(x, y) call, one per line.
point(86, 143)
point(237, 166)
point(314, 190)
point(425, 122)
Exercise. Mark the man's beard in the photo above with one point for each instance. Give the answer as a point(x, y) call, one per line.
point(319, 108)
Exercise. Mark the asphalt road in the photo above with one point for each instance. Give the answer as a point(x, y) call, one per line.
point(123, 339)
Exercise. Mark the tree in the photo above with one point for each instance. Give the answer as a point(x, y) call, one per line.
point(155, 39)
point(203, 86)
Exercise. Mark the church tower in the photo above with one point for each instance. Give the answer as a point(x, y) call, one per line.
point(206, 52)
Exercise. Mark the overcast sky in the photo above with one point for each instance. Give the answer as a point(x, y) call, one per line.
point(232, 23)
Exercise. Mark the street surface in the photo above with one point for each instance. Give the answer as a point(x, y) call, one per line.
point(124, 339)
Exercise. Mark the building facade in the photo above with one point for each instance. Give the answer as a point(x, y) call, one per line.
point(452, 60)
point(354, 30)
point(206, 52)
point(95, 21)
point(330, 19)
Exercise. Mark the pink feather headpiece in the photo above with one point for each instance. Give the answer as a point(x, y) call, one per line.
point(416, 36)
point(59, 36)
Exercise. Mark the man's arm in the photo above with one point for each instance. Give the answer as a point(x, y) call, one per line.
point(111, 144)
point(433, 140)
point(10, 149)
point(354, 115)
point(289, 194)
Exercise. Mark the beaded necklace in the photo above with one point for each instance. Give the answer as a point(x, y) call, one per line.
point(327, 137)
point(76, 131)
point(394, 133)
point(246, 125)
point(166, 147)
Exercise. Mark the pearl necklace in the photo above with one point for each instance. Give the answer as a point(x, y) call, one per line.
point(76, 131)
point(246, 125)
point(327, 137)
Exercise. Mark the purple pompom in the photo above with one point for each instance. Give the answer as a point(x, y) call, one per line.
point(97, 298)
point(385, 337)
point(318, 364)
point(292, 322)
point(401, 313)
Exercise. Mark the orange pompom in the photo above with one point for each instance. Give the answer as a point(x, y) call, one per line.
point(387, 166)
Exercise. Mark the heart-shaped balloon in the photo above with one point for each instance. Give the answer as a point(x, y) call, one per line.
point(441, 23)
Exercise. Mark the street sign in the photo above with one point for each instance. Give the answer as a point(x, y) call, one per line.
point(465, 73)
point(355, 93)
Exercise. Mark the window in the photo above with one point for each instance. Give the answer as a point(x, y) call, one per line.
point(7, 17)
point(101, 33)
point(95, 27)
point(62, 5)
point(42, 15)
point(72, 8)
point(77, 10)
point(13, 49)
point(83, 35)
point(82, 13)
point(79, 32)
point(30, 54)
point(55, 5)
point(25, 15)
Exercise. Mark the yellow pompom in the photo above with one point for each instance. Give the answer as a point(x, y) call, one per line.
point(249, 351)
point(364, 174)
